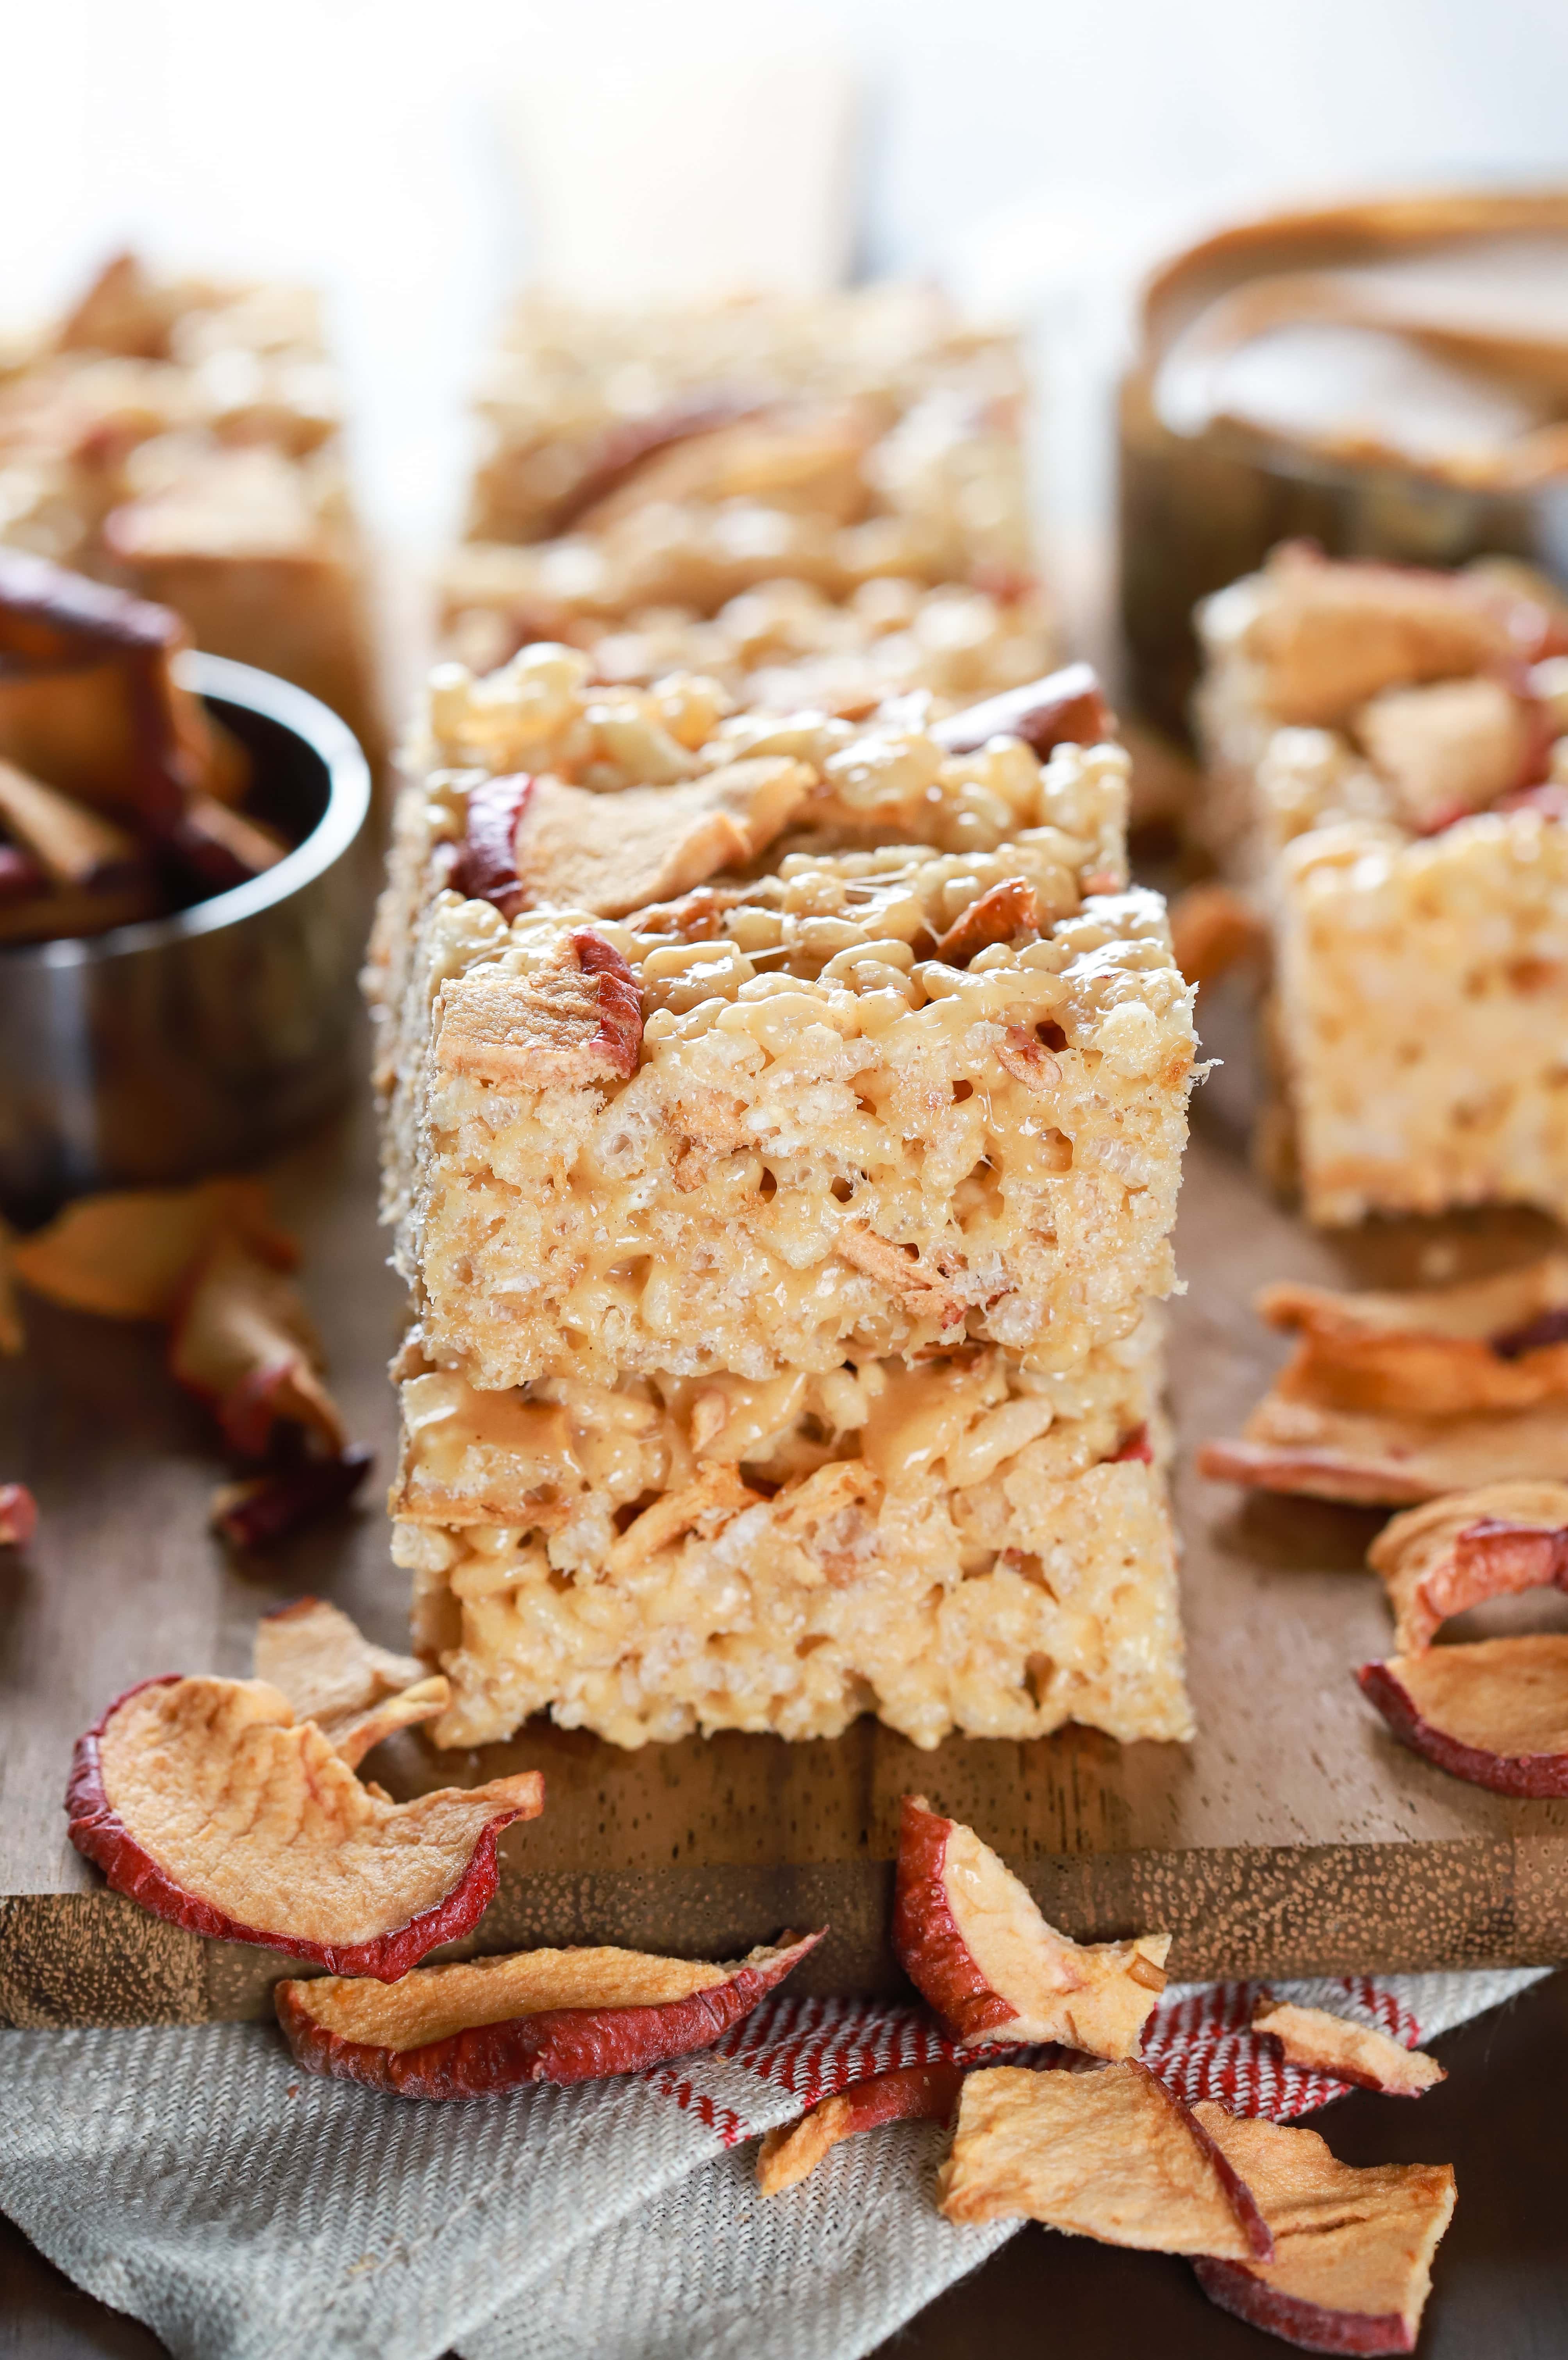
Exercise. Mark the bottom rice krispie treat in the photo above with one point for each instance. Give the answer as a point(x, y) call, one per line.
point(960, 1545)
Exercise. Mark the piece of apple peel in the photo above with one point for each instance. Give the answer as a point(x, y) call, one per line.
point(261, 1510)
point(1353, 2247)
point(243, 1342)
point(128, 1254)
point(474, 2030)
point(207, 1802)
point(907, 2093)
point(1442, 1352)
point(1346, 2051)
point(972, 1940)
point(1495, 1714)
point(1113, 2155)
point(1065, 708)
point(1459, 1550)
point(355, 1693)
point(18, 1515)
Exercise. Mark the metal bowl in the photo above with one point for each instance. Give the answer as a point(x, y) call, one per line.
point(197, 1042)
point(1199, 509)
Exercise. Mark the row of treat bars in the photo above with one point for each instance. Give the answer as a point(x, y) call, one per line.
point(785, 1094)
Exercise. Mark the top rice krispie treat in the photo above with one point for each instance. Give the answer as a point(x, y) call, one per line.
point(676, 456)
point(1374, 693)
point(733, 1044)
point(181, 438)
point(785, 646)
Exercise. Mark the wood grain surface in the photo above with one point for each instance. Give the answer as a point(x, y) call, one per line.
point(1294, 1836)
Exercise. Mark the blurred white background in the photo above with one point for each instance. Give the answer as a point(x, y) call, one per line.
point(419, 157)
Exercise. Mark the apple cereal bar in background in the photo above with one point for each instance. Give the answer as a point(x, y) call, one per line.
point(830, 1045)
point(181, 438)
point(669, 457)
point(1387, 762)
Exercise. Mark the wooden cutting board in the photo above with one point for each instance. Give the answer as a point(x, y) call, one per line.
point(1295, 1836)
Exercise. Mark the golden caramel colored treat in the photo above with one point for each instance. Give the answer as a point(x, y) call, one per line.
point(1467, 1547)
point(1353, 2247)
point(181, 438)
point(784, 647)
point(837, 1138)
point(355, 1692)
point(1385, 753)
point(873, 409)
point(1113, 2155)
point(952, 1547)
point(1358, 2053)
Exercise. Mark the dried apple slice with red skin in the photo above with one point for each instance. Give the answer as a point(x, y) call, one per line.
point(355, 1693)
point(128, 1254)
point(485, 866)
point(907, 2093)
point(1354, 2248)
point(971, 1938)
point(1495, 1714)
point(1466, 1547)
point(1114, 2155)
point(205, 1800)
point(244, 1344)
point(1065, 708)
point(263, 1510)
point(474, 2030)
point(1335, 2045)
point(18, 1515)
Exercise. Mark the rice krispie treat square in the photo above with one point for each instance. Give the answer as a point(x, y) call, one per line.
point(1387, 764)
point(958, 1545)
point(183, 439)
point(827, 1045)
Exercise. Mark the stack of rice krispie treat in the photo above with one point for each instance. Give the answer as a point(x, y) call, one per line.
point(1387, 768)
point(815, 502)
point(181, 438)
point(783, 1122)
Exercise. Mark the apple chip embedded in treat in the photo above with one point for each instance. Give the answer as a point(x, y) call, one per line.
point(1113, 2155)
point(1454, 1552)
point(356, 1693)
point(609, 854)
point(969, 1936)
point(1495, 1714)
point(908, 2094)
point(244, 1343)
point(1352, 2248)
point(1322, 2043)
point(471, 2031)
point(577, 1019)
point(207, 1802)
point(1065, 708)
point(1394, 1399)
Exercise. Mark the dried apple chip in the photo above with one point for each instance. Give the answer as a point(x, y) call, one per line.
point(1322, 2043)
point(18, 1515)
point(356, 1693)
point(1495, 1714)
point(1454, 1552)
point(473, 2030)
point(207, 1802)
point(1113, 2155)
point(1353, 2247)
point(244, 1343)
point(128, 1254)
point(1065, 708)
point(907, 2093)
point(971, 1938)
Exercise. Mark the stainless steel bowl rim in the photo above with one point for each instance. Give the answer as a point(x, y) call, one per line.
point(348, 800)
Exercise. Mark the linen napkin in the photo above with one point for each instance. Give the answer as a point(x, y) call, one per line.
point(241, 2208)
